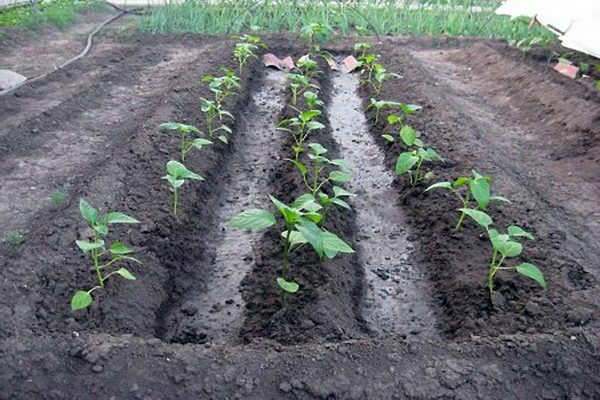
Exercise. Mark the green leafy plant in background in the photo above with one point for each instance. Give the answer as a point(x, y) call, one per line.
point(379, 105)
point(505, 246)
point(467, 189)
point(298, 85)
point(362, 48)
point(301, 127)
point(315, 35)
point(411, 162)
point(300, 221)
point(215, 111)
point(104, 257)
point(185, 144)
point(177, 174)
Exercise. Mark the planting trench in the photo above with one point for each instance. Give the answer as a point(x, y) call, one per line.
point(349, 333)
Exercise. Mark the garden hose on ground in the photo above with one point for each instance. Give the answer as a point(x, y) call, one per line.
point(85, 51)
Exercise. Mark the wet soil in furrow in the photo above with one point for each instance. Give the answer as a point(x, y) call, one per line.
point(214, 309)
point(397, 296)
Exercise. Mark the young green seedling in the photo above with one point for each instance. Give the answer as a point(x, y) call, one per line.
point(223, 86)
point(505, 246)
point(104, 257)
point(379, 75)
point(366, 63)
point(315, 35)
point(301, 127)
point(185, 144)
point(300, 227)
point(411, 161)
point(307, 66)
point(379, 105)
point(312, 100)
point(177, 174)
point(243, 52)
point(362, 48)
point(322, 171)
point(299, 84)
point(213, 110)
point(476, 188)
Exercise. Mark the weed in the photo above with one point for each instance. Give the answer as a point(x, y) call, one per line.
point(505, 246)
point(60, 196)
point(99, 249)
point(14, 238)
point(476, 188)
point(177, 174)
point(185, 144)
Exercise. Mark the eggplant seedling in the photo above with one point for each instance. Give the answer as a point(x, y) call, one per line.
point(100, 251)
point(222, 86)
point(244, 52)
point(301, 127)
point(307, 66)
point(214, 110)
point(505, 246)
point(362, 48)
point(177, 174)
point(300, 221)
point(411, 161)
point(312, 100)
point(379, 76)
point(379, 105)
point(185, 144)
point(315, 35)
point(468, 188)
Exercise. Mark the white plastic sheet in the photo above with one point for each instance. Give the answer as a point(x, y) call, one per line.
point(576, 22)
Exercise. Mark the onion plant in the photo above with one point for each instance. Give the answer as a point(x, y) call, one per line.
point(467, 189)
point(300, 221)
point(185, 144)
point(505, 246)
point(105, 257)
point(177, 174)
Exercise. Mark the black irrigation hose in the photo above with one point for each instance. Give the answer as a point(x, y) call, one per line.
point(86, 50)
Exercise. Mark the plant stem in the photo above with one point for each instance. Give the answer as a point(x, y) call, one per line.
point(96, 257)
point(417, 172)
point(286, 259)
point(462, 215)
point(175, 202)
point(491, 273)
point(182, 146)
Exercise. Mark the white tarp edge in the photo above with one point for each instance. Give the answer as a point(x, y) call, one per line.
point(577, 22)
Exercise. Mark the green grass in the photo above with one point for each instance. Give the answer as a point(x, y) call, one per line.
point(60, 13)
point(368, 17)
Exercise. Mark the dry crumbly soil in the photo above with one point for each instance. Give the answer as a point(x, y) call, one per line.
point(405, 317)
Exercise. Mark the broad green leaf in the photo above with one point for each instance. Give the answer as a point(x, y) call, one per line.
point(499, 198)
point(200, 142)
point(333, 243)
point(533, 272)
point(101, 228)
point(179, 171)
point(253, 219)
point(439, 185)
point(86, 246)
point(301, 167)
point(89, 213)
point(313, 234)
point(223, 139)
point(224, 128)
point(516, 231)
point(340, 203)
point(306, 202)
point(290, 287)
point(120, 249)
point(124, 272)
point(461, 181)
point(290, 214)
point(405, 162)
point(343, 164)
point(408, 135)
point(478, 216)
point(296, 238)
point(174, 126)
point(480, 189)
point(339, 176)
point(309, 114)
point(504, 245)
point(389, 138)
point(409, 108)
point(317, 149)
point(175, 183)
point(128, 258)
point(393, 119)
point(120, 218)
point(340, 192)
point(314, 125)
point(80, 300)
point(432, 155)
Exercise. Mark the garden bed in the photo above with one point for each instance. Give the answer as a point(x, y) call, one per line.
point(406, 316)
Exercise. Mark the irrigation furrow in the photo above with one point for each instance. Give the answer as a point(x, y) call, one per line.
point(396, 298)
point(215, 309)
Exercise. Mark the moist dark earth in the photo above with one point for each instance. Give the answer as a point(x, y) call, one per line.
point(405, 317)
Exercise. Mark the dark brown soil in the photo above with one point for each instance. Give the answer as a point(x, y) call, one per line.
point(204, 319)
